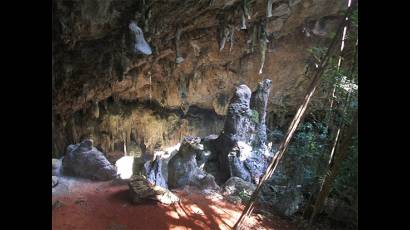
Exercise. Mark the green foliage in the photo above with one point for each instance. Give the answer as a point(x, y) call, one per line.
point(245, 197)
point(255, 116)
point(316, 52)
point(355, 18)
point(310, 147)
point(345, 185)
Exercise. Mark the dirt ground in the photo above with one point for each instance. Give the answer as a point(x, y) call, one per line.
point(90, 205)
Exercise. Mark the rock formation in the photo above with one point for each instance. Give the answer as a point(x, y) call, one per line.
point(56, 167)
point(235, 187)
point(125, 77)
point(259, 102)
point(54, 181)
point(84, 160)
point(241, 147)
point(183, 168)
point(139, 45)
point(141, 189)
point(153, 172)
point(93, 68)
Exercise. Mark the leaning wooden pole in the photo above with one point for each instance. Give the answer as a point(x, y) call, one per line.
point(294, 124)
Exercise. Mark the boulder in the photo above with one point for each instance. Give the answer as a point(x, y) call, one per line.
point(341, 211)
point(141, 189)
point(183, 168)
point(235, 185)
point(237, 191)
point(56, 166)
point(54, 181)
point(284, 200)
point(153, 172)
point(84, 160)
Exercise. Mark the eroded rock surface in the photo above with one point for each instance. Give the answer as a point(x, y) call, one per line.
point(54, 181)
point(93, 63)
point(56, 167)
point(141, 189)
point(153, 171)
point(236, 187)
point(183, 168)
point(84, 160)
point(241, 147)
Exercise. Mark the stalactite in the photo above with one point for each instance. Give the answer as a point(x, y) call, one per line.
point(124, 137)
point(139, 45)
point(263, 42)
point(226, 34)
point(128, 135)
point(73, 130)
point(243, 21)
point(231, 37)
point(245, 8)
point(269, 9)
point(148, 15)
point(254, 38)
point(95, 110)
point(179, 58)
point(105, 104)
point(150, 86)
point(112, 144)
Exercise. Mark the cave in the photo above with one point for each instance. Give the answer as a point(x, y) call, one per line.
point(174, 114)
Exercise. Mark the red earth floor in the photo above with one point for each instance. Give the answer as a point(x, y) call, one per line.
point(105, 206)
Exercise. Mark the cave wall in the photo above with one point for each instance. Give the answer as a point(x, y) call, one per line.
point(95, 73)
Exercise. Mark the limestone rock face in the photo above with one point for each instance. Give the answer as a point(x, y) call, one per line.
point(84, 160)
point(93, 64)
point(183, 168)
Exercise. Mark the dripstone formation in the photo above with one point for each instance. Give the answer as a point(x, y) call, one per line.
point(241, 147)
